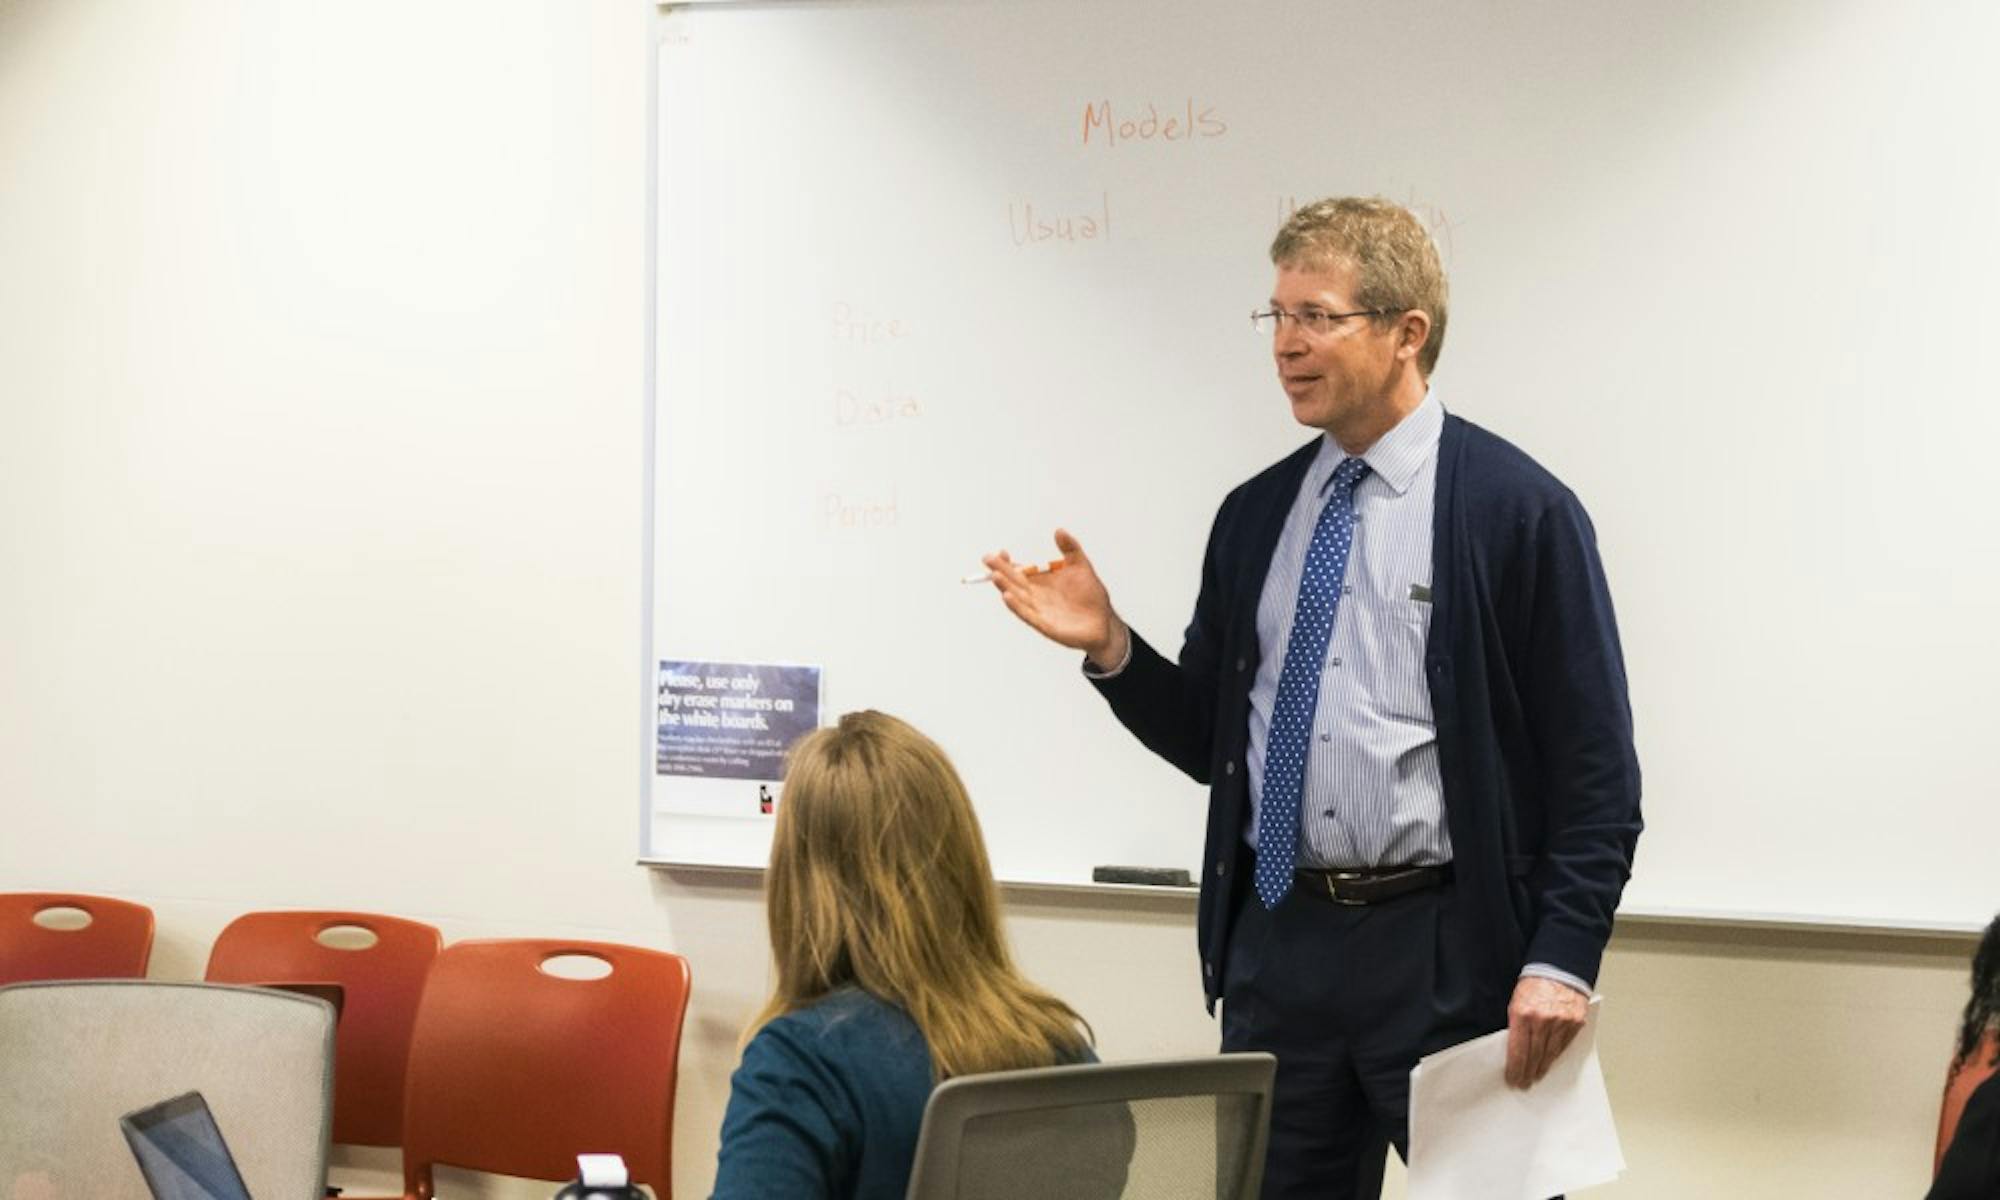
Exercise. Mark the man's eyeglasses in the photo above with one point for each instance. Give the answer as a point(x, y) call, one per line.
point(1314, 321)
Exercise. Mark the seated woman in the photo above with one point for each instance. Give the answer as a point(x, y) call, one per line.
point(892, 971)
point(1972, 1066)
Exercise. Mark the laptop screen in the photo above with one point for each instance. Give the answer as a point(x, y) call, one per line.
point(181, 1152)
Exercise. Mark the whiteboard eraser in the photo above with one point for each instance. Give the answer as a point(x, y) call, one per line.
point(1149, 876)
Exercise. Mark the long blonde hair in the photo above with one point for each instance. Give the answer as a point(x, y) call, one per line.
point(879, 879)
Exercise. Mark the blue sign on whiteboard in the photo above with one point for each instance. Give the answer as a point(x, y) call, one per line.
point(725, 720)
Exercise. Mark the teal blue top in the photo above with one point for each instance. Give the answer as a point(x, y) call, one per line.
point(827, 1103)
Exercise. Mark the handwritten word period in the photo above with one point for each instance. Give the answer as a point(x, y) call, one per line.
point(851, 512)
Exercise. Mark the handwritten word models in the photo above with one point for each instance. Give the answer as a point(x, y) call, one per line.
point(1028, 227)
point(1107, 127)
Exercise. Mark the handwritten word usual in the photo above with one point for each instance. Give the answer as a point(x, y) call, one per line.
point(1028, 227)
point(1108, 127)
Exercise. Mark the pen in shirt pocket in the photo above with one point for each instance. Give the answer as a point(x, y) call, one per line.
point(1421, 593)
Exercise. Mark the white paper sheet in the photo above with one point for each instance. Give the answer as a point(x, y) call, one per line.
point(1474, 1138)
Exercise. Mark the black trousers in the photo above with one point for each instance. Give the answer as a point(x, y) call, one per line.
point(1348, 998)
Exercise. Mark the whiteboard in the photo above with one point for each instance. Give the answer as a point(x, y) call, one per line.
point(935, 278)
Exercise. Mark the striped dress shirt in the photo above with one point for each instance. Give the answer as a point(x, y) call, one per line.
point(1373, 793)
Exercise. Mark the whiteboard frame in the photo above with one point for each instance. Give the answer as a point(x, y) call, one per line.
point(1672, 917)
point(651, 856)
point(648, 434)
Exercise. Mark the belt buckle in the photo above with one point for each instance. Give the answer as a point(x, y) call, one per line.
point(1338, 877)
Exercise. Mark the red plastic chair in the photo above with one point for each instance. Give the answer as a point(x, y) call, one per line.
point(114, 945)
point(380, 985)
point(516, 1071)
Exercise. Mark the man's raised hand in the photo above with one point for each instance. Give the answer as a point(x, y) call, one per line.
point(1069, 607)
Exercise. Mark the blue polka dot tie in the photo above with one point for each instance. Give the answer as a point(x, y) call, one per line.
point(1298, 686)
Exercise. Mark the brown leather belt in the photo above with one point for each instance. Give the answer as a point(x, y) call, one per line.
point(1370, 885)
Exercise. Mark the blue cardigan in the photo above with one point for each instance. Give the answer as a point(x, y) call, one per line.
point(1527, 683)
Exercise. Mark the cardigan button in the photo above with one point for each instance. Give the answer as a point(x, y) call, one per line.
point(1242, 664)
point(1229, 768)
point(1221, 868)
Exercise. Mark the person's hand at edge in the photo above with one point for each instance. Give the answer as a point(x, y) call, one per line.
point(1543, 1018)
point(1069, 607)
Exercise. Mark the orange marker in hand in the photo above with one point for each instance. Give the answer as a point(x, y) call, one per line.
point(1031, 569)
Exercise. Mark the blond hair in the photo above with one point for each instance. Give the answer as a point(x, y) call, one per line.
point(879, 879)
point(1394, 260)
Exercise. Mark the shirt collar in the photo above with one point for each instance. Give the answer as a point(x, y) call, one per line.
point(1396, 456)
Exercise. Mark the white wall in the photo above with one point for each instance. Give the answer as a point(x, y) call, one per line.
point(321, 409)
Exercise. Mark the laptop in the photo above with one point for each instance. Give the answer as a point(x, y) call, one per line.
point(181, 1152)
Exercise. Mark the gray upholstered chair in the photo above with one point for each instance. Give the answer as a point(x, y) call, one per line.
point(76, 1056)
point(1166, 1129)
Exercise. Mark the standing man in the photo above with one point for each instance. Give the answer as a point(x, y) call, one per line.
point(1403, 686)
